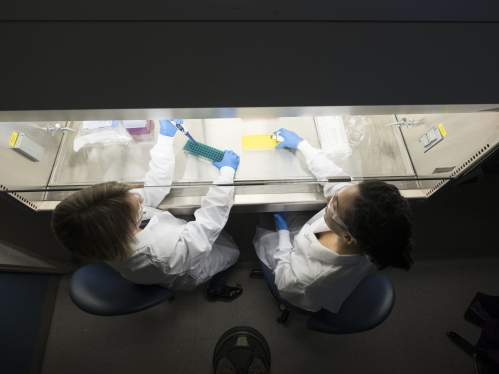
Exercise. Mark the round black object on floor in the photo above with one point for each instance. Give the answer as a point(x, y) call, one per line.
point(241, 345)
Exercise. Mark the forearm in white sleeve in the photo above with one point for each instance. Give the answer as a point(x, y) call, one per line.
point(226, 175)
point(320, 165)
point(211, 217)
point(308, 151)
point(215, 208)
point(284, 276)
point(161, 168)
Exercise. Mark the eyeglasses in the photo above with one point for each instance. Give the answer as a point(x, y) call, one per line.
point(334, 215)
point(141, 208)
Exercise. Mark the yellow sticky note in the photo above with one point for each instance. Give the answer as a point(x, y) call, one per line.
point(442, 130)
point(13, 139)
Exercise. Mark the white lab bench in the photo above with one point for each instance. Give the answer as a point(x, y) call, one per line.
point(264, 176)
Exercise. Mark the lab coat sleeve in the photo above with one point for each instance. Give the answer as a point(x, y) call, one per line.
point(198, 237)
point(332, 290)
point(321, 166)
point(285, 279)
point(161, 168)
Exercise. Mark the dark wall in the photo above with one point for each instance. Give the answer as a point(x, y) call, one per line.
point(92, 65)
point(26, 231)
point(339, 10)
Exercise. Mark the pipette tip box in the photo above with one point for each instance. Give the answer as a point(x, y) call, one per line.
point(203, 151)
point(259, 141)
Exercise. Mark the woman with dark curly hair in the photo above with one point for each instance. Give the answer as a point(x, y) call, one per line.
point(318, 261)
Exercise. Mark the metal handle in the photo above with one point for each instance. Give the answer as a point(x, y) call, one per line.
point(407, 122)
point(52, 130)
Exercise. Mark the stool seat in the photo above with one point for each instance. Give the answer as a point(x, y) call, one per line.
point(370, 303)
point(100, 290)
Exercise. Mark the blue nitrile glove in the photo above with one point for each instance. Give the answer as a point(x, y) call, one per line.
point(291, 139)
point(167, 128)
point(230, 159)
point(280, 220)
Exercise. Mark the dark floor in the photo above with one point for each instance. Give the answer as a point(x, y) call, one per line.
point(456, 256)
point(21, 307)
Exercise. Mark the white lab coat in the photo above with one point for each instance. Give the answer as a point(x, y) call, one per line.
point(172, 252)
point(307, 274)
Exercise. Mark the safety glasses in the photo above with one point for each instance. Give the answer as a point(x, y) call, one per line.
point(332, 210)
point(141, 209)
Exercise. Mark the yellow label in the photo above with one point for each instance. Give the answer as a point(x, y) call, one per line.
point(442, 130)
point(13, 139)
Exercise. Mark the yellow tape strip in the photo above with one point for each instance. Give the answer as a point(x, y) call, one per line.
point(13, 139)
point(442, 130)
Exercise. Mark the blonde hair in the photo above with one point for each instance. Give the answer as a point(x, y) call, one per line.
point(98, 222)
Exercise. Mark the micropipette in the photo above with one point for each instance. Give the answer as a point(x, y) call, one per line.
point(183, 130)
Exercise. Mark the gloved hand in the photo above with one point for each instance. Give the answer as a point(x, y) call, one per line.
point(167, 128)
point(291, 139)
point(280, 220)
point(230, 159)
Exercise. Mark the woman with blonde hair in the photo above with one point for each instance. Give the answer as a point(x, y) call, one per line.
point(115, 223)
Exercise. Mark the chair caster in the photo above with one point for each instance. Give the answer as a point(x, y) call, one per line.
point(284, 317)
point(256, 273)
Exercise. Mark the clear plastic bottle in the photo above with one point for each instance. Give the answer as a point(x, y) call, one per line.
point(356, 128)
point(333, 136)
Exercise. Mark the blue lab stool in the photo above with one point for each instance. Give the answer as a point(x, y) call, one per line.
point(284, 306)
point(367, 306)
point(100, 290)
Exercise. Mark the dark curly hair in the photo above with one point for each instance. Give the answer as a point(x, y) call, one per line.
point(380, 220)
